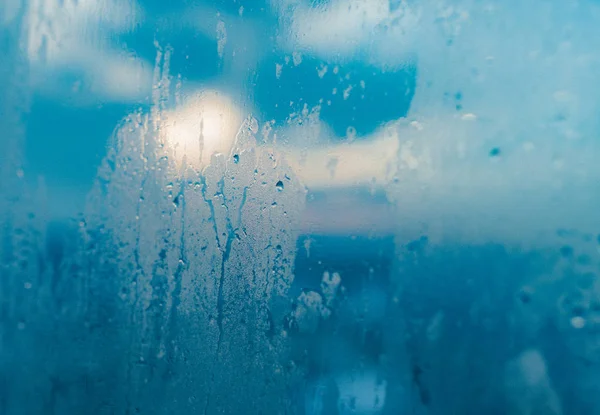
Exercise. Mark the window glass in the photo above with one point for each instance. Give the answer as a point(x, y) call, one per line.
point(299, 207)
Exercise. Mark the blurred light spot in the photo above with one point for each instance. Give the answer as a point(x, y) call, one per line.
point(206, 125)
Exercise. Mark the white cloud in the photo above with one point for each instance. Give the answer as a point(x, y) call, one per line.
point(342, 28)
point(73, 37)
point(369, 163)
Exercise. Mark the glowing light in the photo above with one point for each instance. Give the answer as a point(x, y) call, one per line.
point(207, 124)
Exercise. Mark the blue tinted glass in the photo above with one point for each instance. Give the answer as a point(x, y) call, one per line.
point(299, 207)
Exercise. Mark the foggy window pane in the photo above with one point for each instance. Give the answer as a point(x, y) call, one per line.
point(305, 207)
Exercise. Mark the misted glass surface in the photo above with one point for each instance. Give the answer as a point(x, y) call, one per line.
point(299, 207)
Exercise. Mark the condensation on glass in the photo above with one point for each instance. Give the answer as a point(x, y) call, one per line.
point(299, 207)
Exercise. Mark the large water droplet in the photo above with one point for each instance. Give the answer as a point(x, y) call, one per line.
point(279, 186)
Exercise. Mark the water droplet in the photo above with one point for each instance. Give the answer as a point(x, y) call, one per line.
point(526, 295)
point(495, 152)
point(279, 185)
point(351, 133)
point(566, 251)
point(236, 158)
point(27, 285)
point(274, 204)
point(21, 325)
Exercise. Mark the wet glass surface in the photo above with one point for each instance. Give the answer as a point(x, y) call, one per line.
point(299, 207)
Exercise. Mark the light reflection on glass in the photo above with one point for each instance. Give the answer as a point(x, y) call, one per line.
point(204, 125)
